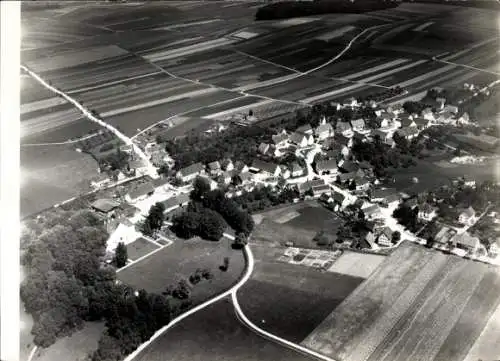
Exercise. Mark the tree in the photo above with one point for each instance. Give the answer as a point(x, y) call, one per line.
point(430, 242)
point(163, 170)
point(182, 290)
point(154, 220)
point(321, 239)
point(240, 241)
point(396, 237)
point(201, 187)
point(108, 349)
point(225, 265)
point(121, 255)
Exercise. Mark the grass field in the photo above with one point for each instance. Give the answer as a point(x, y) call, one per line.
point(419, 305)
point(180, 260)
point(291, 300)
point(357, 264)
point(52, 174)
point(139, 248)
point(215, 334)
point(295, 222)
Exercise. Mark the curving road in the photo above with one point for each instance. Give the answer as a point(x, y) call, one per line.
point(90, 116)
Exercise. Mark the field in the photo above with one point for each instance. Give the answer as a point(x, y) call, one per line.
point(215, 334)
point(140, 248)
point(179, 261)
point(52, 174)
point(451, 298)
point(357, 264)
point(297, 223)
point(291, 300)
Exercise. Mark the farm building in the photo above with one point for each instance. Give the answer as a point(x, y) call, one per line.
point(444, 235)
point(280, 140)
point(482, 142)
point(466, 242)
point(372, 212)
point(214, 168)
point(321, 189)
point(297, 170)
point(427, 212)
point(140, 192)
point(343, 128)
point(362, 184)
point(301, 139)
point(227, 165)
point(105, 206)
point(422, 123)
point(407, 132)
point(191, 172)
point(358, 124)
point(173, 203)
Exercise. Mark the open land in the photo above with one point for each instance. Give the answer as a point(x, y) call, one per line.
point(179, 261)
point(215, 334)
point(291, 300)
point(140, 65)
point(418, 305)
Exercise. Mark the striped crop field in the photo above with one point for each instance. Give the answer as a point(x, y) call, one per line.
point(418, 305)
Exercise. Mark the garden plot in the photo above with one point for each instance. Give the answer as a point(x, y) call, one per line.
point(140, 248)
point(357, 264)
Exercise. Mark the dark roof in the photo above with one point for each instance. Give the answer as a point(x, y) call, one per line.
point(317, 182)
point(264, 166)
point(296, 167)
point(327, 127)
point(347, 176)
point(327, 165)
point(192, 169)
point(338, 197)
point(343, 126)
point(278, 138)
point(158, 182)
point(105, 205)
point(214, 165)
point(322, 188)
point(365, 165)
point(142, 190)
point(304, 129)
point(349, 166)
point(407, 131)
point(175, 201)
point(359, 123)
point(297, 137)
point(421, 121)
point(382, 193)
point(406, 121)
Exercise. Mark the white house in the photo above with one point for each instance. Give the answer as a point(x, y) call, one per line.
point(385, 237)
point(467, 217)
point(494, 249)
point(191, 172)
point(214, 168)
point(324, 131)
point(227, 165)
point(463, 119)
point(285, 172)
point(427, 212)
point(358, 124)
point(428, 114)
point(327, 167)
point(266, 168)
point(297, 170)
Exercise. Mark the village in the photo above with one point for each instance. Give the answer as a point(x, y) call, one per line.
point(316, 163)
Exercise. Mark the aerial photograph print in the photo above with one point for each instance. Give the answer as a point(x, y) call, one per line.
point(243, 180)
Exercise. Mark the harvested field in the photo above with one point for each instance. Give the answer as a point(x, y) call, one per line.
point(487, 345)
point(379, 320)
point(139, 248)
point(180, 260)
point(290, 300)
point(357, 264)
point(215, 334)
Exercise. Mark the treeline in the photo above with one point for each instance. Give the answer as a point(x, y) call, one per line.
point(67, 284)
point(290, 9)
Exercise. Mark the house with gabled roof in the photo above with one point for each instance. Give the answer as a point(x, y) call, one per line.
point(175, 202)
point(266, 168)
point(227, 165)
point(385, 237)
point(427, 212)
point(467, 217)
point(305, 129)
point(321, 189)
point(189, 173)
point(407, 121)
point(344, 128)
point(140, 192)
point(385, 137)
point(467, 242)
point(358, 124)
point(422, 123)
point(214, 167)
point(280, 140)
point(346, 178)
point(444, 235)
point(105, 206)
point(324, 131)
point(428, 114)
point(301, 139)
point(372, 212)
point(408, 132)
point(346, 166)
point(362, 184)
point(326, 167)
point(297, 170)
point(225, 178)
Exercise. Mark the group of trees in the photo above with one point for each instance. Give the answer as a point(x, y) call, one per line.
point(290, 9)
point(154, 220)
point(264, 197)
point(202, 222)
point(407, 216)
point(67, 284)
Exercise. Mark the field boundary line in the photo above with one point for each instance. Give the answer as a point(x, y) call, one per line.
point(243, 319)
point(149, 239)
point(142, 257)
point(243, 279)
point(32, 353)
